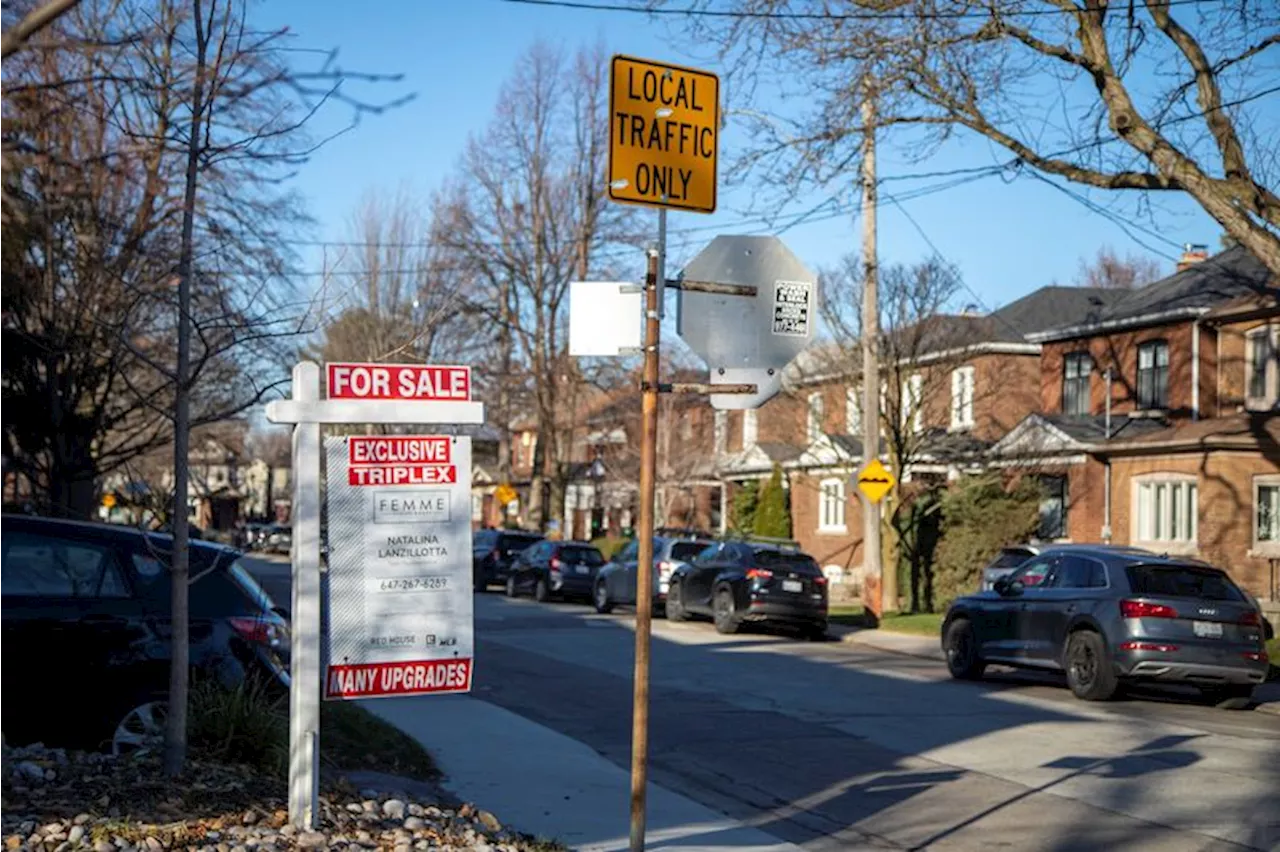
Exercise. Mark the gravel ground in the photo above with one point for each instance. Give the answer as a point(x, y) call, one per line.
point(58, 801)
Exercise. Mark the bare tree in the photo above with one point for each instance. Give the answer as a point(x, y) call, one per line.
point(530, 217)
point(1109, 270)
point(32, 22)
point(1067, 89)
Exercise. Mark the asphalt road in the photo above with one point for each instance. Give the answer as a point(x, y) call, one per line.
point(835, 746)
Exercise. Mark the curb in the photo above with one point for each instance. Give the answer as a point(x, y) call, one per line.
point(867, 638)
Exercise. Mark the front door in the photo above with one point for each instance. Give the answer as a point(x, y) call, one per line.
point(1000, 637)
point(702, 573)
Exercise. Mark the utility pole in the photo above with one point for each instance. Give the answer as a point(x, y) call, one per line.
point(873, 563)
point(644, 570)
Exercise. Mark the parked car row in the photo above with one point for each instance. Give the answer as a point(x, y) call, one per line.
point(731, 582)
point(1107, 616)
point(269, 538)
point(87, 617)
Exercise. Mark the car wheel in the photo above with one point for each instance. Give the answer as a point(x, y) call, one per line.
point(675, 604)
point(816, 633)
point(1236, 696)
point(725, 618)
point(601, 598)
point(541, 591)
point(961, 647)
point(512, 591)
point(1089, 671)
point(141, 730)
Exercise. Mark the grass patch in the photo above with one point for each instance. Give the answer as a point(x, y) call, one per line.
point(249, 725)
point(352, 738)
point(915, 623)
point(849, 615)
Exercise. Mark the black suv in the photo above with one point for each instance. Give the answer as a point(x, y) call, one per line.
point(1105, 615)
point(86, 621)
point(562, 569)
point(736, 582)
point(492, 552)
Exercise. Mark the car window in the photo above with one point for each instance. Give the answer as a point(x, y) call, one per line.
point(630, 553)
point(799, 562)
point(1033, 573)
point(1079, 572)
point(581, 556)
point(516, 543)
point(683, 551)
point(1010, 558)
point(249, 586)
point(1182, 581)
point(44, 566)
point(483, 540)
point(708, 553)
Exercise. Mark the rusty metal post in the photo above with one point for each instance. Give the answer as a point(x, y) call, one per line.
point(644, 570)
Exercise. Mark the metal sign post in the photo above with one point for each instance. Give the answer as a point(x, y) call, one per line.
point(358, 393)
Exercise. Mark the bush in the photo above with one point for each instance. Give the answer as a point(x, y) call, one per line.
point(246, 724)
point(772, 517)
point(742, 518)
point(609, 546)
point(980, 516)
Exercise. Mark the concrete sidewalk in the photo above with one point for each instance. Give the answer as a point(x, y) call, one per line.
point(550, 785)
point(1265, 696)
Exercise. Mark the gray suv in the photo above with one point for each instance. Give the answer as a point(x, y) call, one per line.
point(1107, 615)
point(616, 582)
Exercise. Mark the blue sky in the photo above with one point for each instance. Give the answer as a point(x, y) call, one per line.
point(1006, 238)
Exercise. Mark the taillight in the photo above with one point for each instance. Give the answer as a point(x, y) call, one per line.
point(257, 630)
point(1147, 646)
point(821, 580)
point(555, 563)
point(759, 574)
point(665, 569)
point(1257, 656)
point(1251, 619)
point(1142, 609)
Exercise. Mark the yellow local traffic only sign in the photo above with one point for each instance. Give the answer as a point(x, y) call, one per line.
point(875, 481)
point(664, 133)
point(504, 494)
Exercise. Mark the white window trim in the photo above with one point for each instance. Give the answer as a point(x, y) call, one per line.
point(839, 485)
point(1266, 549)
point(750, 437)
point(852, 411)
point(814, 416)
point(1180, 548)
point(1271, 382)
point(912, 402)
point(962, 394)
point(721, 432)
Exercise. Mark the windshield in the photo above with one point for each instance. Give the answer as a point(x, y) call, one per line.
point(683, 551)
point(794, 561)
point(581, 556)
point(1182, 581)
point(516, 543)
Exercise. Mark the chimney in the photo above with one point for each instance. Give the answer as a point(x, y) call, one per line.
point(1192, 253)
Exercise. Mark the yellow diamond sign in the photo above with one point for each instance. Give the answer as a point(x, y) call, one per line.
point(875, 481)
point(504, 494)
point(109, 501)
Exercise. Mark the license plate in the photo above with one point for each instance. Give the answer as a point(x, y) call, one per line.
point(792, 586)
point(1207, 629)
point(582, 569)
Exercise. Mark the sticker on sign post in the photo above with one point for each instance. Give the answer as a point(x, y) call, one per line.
point(791, 308)
point(400, 605)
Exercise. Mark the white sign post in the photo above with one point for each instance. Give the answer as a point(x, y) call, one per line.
point(357, 393)
point(400, 606)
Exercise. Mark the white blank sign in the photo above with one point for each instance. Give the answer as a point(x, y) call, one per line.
point(603, 320)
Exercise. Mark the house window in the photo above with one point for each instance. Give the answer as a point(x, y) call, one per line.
point(1053, 508)
point(750, 429)
point(962, 398)
point(1076, 370)
point(1266, 513)
point(1262, 367)
point(831, 506)
point(721, 431)
point(912, 411)
point(813, 428)
point(852, 412)
point(1165, 510)
point(1153, 375)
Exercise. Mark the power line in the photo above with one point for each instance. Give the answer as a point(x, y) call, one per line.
point(796, 16)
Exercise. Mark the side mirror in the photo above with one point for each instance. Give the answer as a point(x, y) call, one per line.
point(1007, 588)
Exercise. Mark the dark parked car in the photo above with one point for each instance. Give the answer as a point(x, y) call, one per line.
point(86, 625)
point(616, 582)
point(1108, 615)
point(492, 552)
point(737, 582)
point(278, 539)
point(561, 569)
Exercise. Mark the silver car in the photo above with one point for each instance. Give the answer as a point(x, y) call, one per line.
point(616, 582)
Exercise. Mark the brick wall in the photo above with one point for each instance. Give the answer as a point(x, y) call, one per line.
point(1232, 356)
point(1120, 352)
point(1005, 392)
point(843, 549)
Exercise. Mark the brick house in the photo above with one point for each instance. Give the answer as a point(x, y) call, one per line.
point(1160, 421)
point(957, 384)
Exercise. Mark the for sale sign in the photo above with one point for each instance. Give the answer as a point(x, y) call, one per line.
point(400, 617)
point(399, 381)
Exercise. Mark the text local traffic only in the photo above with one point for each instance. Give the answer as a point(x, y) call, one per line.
point(663, 134)
point(401, 460)
point(399, 381)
